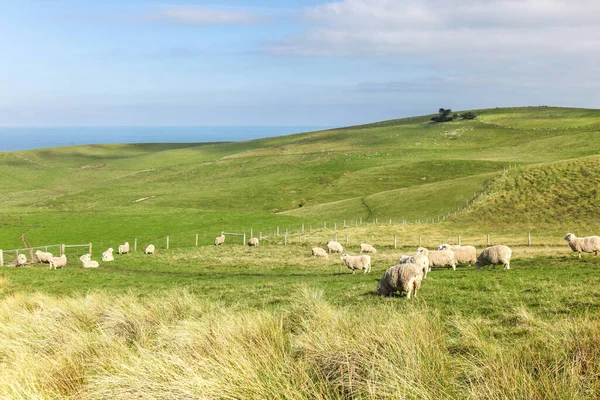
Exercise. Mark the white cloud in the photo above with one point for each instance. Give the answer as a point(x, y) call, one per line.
point(204, 16)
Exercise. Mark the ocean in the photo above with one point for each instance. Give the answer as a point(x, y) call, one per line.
point(26, 138)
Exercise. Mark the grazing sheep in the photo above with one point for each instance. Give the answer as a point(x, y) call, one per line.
point(43, 257)
point(367, 248)
point(58, 262)
point(357, 262)
point(438, 258)
point(462, 254)
point(253, 242)
point(590, 244)
point(108, 255)
point(404, 277)
point(150, 249)
point(87, 261)
point(421, 260)
point(124, 248)
point(334, 247)
point(21, 260)
point(319, 252)
point(494, 255)
point(219, 240)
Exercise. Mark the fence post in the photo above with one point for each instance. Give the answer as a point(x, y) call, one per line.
point(167, 243)
point(420, 241)
point(196, 240)
point(310, 229)
point(346, 238)
point(335, 237)
point(390, 221)
point(135, 245)
point(90, 249)
point(277, 231)
point(395, 243)
point(344, 223)
point(529, 239)
point(2, 259)
point(325, 224)
point(62, 250)
point(356, 222)
point(285, 239)
point(335, 225)
point(259, 236)
point(488, 239)
point(459, 240)
point(302, 228)
point(376, 220)
point(251, 233)
point(361, 220)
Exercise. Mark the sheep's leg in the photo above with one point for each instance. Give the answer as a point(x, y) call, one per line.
point(408, 293)
point(415, 291)
point(353, 272)
point(579, 254)
point(507, 266)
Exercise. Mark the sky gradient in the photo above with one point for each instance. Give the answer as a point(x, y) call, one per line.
point(261, 62)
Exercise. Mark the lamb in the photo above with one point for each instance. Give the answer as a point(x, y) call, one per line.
point(43, 256)
point(21, 260)
point(334, 247)
point(58, 262)
point(367, 248)
point(253, 242)
point(404, 277)
point(150, 249)
point(438, 258)
point(421, 260)
point(87, 261)
point(590, 244)
point(319, 252)
point(108, 255)
point(462, 254)
point(357, 262)
point(494, 255)
point(124, 248)
point(219, 240)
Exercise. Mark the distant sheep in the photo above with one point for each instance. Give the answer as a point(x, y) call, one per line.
point(21, 260)
point(438, 258)
point(219, 240)
point(253, 242)
point(43, 256)
point(334, 247)
point(357, 262)
point(87, 261)
point(462, 254)
point(58, 262)
point(150, 249)
point(494, 255)
point(124, 248)
point(590, 244)
point(367, 248)
point(420, 259)
point(403, 277)
point(108, 255)
point(319, 252)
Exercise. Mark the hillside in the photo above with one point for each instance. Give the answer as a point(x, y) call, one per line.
point(401, 169)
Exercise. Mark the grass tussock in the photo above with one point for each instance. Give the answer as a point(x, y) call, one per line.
point(176, 346)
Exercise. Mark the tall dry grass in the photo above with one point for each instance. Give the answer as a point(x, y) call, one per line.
point(174, 346)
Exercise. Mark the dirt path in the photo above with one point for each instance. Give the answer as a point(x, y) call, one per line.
point(368, 208)
point(24, 239)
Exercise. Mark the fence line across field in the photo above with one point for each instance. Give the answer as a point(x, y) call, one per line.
point(30, 250)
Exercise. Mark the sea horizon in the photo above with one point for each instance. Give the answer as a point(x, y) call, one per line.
point(17, 138)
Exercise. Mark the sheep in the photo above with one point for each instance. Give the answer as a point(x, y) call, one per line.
point(334, 247)
point(253, 242)
point(43, 257)
point(421, 260)
point(357, 262)
point(150, 249)
point(438, 258)
point(219, 240)
point(494, 255)
point(590, 244)
point(58, 262)
point(404, 277)
point(367, 248)
point(21, 260)
point(108, 255)
point(124, 248)
point(87, 261)
point(319, 252)
point(462, 254)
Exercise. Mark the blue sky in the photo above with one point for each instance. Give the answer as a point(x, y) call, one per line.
point(234, 62)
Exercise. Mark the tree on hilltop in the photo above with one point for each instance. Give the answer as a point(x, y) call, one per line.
point(443, 116)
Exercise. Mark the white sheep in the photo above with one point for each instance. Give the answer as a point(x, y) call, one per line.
point(319, 252)
point(87, 261)
point(420, 259)
point(58, 262)
point(367, 248)
point(462, 254)
point(21, 260)
point(108, 255)
point(124, 248)
point(357, 262)
point(494, 255)
point(590, 244)
point(438, 258)
point(334, 247)
point(219, 240)
point(150, 249)
point(43, 257)
point(253, 242)
point(404, 277)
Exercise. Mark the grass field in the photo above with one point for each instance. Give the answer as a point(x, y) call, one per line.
point(272, 322)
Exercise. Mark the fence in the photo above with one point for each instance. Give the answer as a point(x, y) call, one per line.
point(9, 257)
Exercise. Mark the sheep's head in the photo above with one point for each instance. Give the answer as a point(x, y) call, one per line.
point(444, 247)
point(569, 236)
point(343, 257)
point(422, 250)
